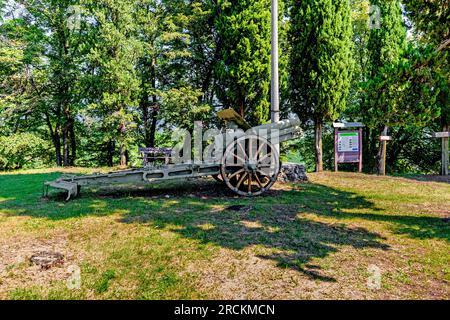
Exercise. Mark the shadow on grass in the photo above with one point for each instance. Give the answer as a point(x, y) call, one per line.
point(425, 177)
point(276, 223)
point(285, 237)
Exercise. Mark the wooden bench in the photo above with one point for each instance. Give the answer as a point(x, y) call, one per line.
point(152, 155)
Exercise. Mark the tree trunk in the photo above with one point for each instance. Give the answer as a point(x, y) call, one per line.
point(145, 119)
point(401, 139)
point(367, 152)
point(73, 144)
point(147, 76)
point(54, 134)
point(57, 144)
point(155, 107)
point(241, 108)
point(123, 156)
point(66, 155)
point(374, 148)
point(110, 153)
point(318, 129)
point(153, 128)
point(209, 74)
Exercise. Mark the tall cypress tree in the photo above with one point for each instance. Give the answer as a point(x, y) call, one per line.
point(243, 69)
point(387, 40)
point(386, 44)
point(321, 62)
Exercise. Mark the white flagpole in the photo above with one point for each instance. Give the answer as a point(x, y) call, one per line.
point(275, 95)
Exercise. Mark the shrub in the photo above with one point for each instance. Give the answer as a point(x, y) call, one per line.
point(22, 150)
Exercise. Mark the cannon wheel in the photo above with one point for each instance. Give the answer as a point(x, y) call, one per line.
point(250, 166)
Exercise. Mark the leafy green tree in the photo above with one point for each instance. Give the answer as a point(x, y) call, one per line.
point(114, 53)
point(50, 67)
point(98, 78)
point(321, 62)
point(22, 150)
point(148, 16)
point(402, 90)
point(385, 42)
point(170, 83)
point(361, 32)
point(14, 88)
point(431, 20)
point(402, 94)
point(204, 47)
point(431, 23)
point(387, 39)
point(243, 70)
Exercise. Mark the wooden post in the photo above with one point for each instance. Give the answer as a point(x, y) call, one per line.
point(336, 169)
point(360, 164)
point(444, 136)
point(445, 157)
point(383, 153)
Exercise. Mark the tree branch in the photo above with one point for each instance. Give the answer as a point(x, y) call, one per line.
point(444, 44)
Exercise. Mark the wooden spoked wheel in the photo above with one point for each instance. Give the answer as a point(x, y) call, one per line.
point(250, 166)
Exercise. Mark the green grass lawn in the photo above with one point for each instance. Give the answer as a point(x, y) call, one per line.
point(194, 240)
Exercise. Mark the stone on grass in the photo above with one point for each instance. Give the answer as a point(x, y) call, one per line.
point(292, 172)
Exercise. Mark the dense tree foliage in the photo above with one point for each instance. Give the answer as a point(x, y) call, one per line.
point(432, 27)
point(399, 87)
point(243, 71)
point(86, 82)
point(23, 150)
point(45, 84)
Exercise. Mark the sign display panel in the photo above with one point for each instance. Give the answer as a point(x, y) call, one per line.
point(348, 142)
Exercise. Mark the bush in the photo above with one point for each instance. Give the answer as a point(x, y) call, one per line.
point(23, 150)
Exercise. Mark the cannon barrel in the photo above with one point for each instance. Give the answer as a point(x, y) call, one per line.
point(237, 127)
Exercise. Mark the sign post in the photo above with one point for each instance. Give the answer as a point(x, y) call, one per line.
point(348, 144)
point(445, 156)
point(384, 139)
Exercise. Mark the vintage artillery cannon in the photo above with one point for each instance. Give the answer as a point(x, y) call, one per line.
point(246, 161)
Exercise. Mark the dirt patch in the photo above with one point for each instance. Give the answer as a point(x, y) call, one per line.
point(47, 259)
point(236, 275)
point(243, 275)
point(33, 262)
